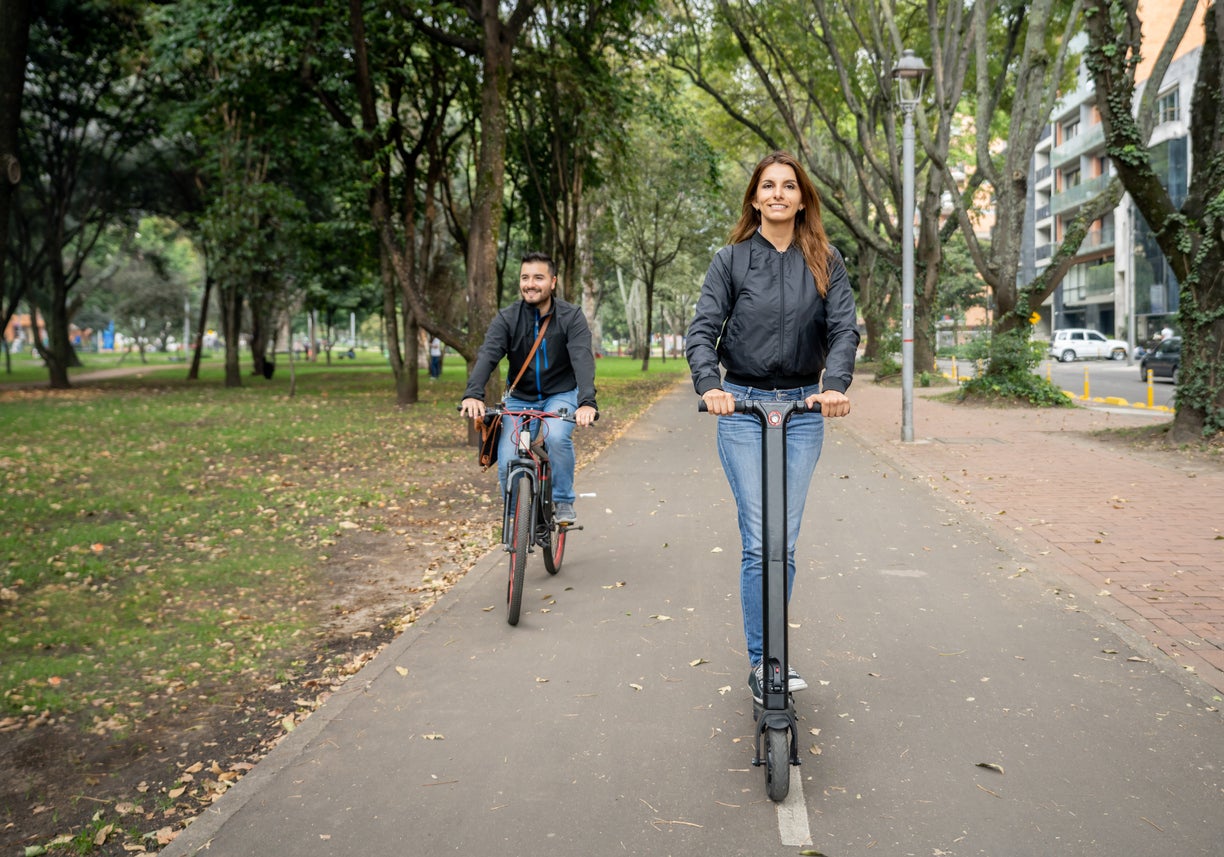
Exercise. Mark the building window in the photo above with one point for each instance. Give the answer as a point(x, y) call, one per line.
point(1070, 179)
point(1071, 130)
point(1168, 106)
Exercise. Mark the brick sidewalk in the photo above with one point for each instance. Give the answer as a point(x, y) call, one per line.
point(1139, 537)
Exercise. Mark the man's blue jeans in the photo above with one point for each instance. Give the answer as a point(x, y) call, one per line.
point(739, 449)
point(560, 438)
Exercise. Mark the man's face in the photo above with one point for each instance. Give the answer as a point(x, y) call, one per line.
point(536, 284)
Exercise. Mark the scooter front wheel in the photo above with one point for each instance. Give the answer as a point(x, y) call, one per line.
point(777, 763)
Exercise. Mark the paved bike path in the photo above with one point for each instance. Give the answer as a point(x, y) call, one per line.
point(615, 718)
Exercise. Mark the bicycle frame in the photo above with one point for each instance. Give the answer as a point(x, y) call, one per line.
point(531, 459)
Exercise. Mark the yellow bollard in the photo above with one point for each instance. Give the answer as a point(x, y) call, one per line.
point(955, 374)
point(1050, 371)
point(1151, 392)
point(1087, 396)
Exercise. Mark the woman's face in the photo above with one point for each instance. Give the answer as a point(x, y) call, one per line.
point(778, 197)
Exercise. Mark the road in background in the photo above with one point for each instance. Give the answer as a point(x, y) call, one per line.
point(1106, 379)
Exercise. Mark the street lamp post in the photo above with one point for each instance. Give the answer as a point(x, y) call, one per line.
point(909, 73)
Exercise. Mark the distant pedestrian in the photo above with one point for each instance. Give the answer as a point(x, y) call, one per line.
point(435, 358)
point(782, 324)
point(1166, 332)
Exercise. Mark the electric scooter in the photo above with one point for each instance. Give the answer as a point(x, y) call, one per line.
point(777, 734)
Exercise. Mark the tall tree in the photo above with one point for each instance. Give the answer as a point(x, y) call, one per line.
point(1192, 236)
point(86, 125)
point(14, 37)
point(1021, 57)
point(821, 67)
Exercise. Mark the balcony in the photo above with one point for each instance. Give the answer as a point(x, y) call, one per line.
point(1093, 138)
point(1078, 195)
point(1045, 251)
point(1041, 174)
point(1098, 239)
point(1084, 282)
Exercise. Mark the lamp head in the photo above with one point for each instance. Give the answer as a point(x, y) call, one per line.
point(910, 73)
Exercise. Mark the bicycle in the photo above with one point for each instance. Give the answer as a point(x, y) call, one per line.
point(777, 729)
point(528, 515)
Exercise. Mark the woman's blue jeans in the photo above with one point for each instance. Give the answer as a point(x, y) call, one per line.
point(560, 439)
point(739, 449)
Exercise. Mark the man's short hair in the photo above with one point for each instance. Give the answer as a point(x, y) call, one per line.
point(537, 256)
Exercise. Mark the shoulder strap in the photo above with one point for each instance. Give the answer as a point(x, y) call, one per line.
point(741, 258)
point(530, 354)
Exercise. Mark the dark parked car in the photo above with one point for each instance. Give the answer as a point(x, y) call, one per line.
point(1164, 360)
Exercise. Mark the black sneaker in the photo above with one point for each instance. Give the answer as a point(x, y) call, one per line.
point(756, 679)
point(564, 513)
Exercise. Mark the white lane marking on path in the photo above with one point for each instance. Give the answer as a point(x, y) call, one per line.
point(792, 812)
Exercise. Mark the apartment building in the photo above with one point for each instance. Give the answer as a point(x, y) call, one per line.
point(1120, 282)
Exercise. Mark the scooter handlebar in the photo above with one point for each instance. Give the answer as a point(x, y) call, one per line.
point(745, 406)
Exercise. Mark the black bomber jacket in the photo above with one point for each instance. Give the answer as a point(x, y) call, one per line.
point(773, 330)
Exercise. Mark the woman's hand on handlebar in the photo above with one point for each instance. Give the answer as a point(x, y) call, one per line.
point(832, 403)
point(719, 402)
point(473, 408)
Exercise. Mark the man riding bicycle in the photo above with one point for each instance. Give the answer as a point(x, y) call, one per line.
point(561, 374)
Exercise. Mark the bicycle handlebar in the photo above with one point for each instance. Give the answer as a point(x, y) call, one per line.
point(502, 410)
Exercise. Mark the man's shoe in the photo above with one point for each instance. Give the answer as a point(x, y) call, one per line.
point(756, 678)
point(564, 513)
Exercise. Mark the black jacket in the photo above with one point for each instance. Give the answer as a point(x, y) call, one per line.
point(564, 360)
point(773, 330)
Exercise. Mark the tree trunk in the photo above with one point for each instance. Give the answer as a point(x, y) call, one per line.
point(14, 39)
point(231, 329)
point(1192, 238)
point(193, 374)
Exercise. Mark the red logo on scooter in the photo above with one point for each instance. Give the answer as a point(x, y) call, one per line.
point(775, 418)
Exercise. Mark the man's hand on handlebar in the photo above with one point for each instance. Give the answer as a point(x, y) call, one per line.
point(832, 403)
point(585, 415)
point(473, 408)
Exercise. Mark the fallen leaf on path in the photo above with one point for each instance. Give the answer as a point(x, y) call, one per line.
point(698, 662)
point(401, 671)
point(990, 766)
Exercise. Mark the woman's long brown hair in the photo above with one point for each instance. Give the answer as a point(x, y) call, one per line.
point(809, 230)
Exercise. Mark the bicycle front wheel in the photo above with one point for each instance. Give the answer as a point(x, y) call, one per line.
point(519, 540)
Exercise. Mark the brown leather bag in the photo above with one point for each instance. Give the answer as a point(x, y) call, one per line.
point(490, 428)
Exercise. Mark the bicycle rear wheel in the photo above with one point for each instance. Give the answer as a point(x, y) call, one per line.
point(520, 539)
point(553, 543)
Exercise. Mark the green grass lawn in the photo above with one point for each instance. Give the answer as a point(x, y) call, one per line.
point(160, 537)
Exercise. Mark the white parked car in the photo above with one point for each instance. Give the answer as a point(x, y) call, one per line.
point(1079, 343)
